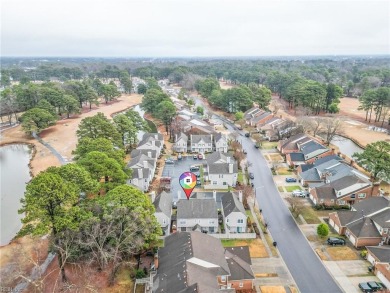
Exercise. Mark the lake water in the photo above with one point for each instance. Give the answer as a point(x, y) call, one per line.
point(14, 175)
point(346, 146)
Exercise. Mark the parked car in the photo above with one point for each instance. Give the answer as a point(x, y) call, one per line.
point(365, 288)
point(257, 146)
point(290, 179)
point(198, 182)
point(197, 174)
point(174, 205)
point(169, 161)
point(194, 168)
point(247, 134)
point(179, 156)
point(200, 157)
point(374, 285)
point(195, 157)
point(336, 241)
point(251, 176)
point(298, 193)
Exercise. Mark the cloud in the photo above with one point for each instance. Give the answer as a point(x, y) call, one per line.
point(194, 28)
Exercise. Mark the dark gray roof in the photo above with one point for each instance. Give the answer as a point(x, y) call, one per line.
point(347, 217)
point(196, 209)
point(230, 204)
point(382, 253)
point(311, 175)
point(306, 167)
point(219, 136)
point(260, 117)
point(222, 168)
point(371, 205)
point(149, 140)
point(182, 136)
point(197, 138)
point(163, 204)
point(322, 160)
point(145, 173)
point(180, 263)
point(136, 153)
point(363, 228)
point(325, 192)
point(209, 195)
point(382, 218)
point(239, 268)
point(297, 157)
point(312, 146)
point(140, 161)
point(248, 114)
point(291, 143)
point(156, 136)
point(345, 181)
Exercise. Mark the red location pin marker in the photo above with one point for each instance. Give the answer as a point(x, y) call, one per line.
point(187, 182)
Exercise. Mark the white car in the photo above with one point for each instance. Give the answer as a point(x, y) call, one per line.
point(298, 193)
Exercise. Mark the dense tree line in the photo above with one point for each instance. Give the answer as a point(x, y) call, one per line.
point(376, 102)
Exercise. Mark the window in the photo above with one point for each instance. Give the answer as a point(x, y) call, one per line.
point(220, 175)
point(241, 285)
point(341, 202)
point(183, 222)
point(332, 200)
point(385, 230)
point(224, 183)
point(215, 183)
point(240, 221)
point(164, 222)
point(223, 278)
point(361, 195)
point(211, 221)
point(227, 220)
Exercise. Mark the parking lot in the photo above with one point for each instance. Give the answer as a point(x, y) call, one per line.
point(175, 170)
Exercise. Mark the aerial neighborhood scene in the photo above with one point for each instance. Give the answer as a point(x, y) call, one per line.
point(195, 146)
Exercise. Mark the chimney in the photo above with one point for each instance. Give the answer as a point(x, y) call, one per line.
point(150, 154)
point(215, 195)
point(230, 168)
point(145, 164)
point(140, 173)
point(240, 195)
point(153, 196)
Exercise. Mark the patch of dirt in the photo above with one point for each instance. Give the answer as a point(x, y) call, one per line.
point(256, 247)
point(342, 253)
point(272, 289)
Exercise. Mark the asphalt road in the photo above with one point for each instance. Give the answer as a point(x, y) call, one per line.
point(307, 270)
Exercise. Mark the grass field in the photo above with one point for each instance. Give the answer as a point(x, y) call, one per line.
point(249, 214)
point(240, 177)
point(341, 253)
point(310, 215)
point(284, 171)
point(276, 157)
point(256, 246)
point(291, 188)
point(269, 145)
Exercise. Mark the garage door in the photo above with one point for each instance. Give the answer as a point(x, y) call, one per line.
point(383, 279)
point(370, 259)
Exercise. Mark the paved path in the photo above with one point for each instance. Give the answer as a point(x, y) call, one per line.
point(51, 149)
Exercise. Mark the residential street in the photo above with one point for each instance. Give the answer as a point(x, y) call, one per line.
point(307, 270)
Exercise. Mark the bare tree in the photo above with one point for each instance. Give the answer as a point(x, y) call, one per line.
point(296, 206)
point(330, 128)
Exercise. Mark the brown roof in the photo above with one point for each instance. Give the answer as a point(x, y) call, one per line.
point(325, 192)
point(291, 143)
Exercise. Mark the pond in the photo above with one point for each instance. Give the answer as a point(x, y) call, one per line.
point(346, 146)
point(15, 174)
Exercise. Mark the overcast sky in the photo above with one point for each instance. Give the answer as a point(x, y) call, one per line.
point(133, 28)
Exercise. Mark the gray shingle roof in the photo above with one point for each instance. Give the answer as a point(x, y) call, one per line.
point(182, 136)
point(297, 157)
point(196, 209)
point(145, 173)
point(260, 117)
point(149, 140)
point(218, 136)
point(230, 203)
point(291, 143)
point(322, 160)
point(382, 218)
point(312, 146)
point(240, 269)
point(156, 136)
point(163, 204)
point(311, 175)
point(325, 192)
point(198, 138)
point(216, 156)
point(363, 228)
point(381, 252)
point(345, 181)
point(140, 161)
point(222, 168)
point(371, 205)
point(136, 153)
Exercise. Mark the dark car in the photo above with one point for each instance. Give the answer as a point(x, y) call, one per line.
point(244, 151)
point(247, 134)
point(194, 168)
point(290, 179)
point(365, 288)
point(251, 176)
point(374, 286)
point(336, 241)
point(257, 146)
point(198, 182)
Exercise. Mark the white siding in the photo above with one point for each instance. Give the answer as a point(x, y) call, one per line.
point(229, 179)
point(231, 222)
point(383, 279)
point(204, 223)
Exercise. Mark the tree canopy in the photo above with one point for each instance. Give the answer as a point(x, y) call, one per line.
point(36, 120)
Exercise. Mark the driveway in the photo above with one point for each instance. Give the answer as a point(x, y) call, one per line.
point(175, 170)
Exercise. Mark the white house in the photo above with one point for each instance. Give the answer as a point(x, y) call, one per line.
point(220, 142)
point(197, 215)
point(163, 207)
point(181, 142)
point(152, 141)
point(221, 170)
point(201, 143)
point(143, 161)
point(141, 178)
point(234, 213)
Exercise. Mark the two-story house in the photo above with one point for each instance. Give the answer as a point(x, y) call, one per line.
point(308, 152)
point(152, 141)
point(234, 213)
point(181, 142)
point(221, 170)
point(251, 113)
point(141, 178)
point(197, 262)
point(163, 211)
point(220, 142)
point(201, 143)
point(197, 214)
point(366, 224)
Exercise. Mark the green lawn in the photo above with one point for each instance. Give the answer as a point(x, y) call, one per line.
point(240, 177)
point(249, 214)
point(310, 215)
point(284, 171)
point(291, 188)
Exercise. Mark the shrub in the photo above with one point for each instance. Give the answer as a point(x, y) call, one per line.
point(322, 230)
point(363, 254)
point(139, 274)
